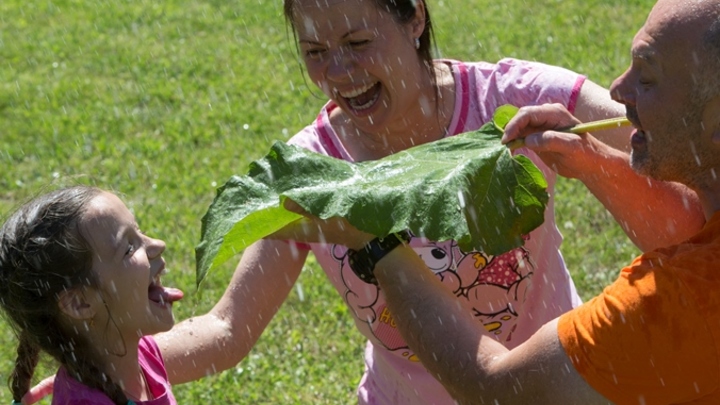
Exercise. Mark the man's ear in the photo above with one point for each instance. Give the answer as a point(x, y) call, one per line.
point(711, 119)
point(74, 303)
point(716, 137)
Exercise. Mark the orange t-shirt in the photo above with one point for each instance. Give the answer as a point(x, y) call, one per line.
point(653, 336)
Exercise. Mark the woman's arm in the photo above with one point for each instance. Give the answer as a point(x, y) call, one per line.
point(220, 339)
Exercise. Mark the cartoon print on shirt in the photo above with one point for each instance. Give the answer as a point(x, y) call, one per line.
point(362, 298)
point(494, 286)
point(359, 295)
point(439, 258)
point(497, 295)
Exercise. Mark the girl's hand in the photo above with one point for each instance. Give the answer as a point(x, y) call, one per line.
point(40, 391)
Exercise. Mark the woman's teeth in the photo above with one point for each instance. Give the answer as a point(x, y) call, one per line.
point(362, 98)
point(356, 92)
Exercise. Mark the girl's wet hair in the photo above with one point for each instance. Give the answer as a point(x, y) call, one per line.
point(42, 254)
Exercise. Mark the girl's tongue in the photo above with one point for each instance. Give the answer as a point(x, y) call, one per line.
point(164, 295)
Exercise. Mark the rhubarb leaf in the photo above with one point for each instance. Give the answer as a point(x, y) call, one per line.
point(466, 187)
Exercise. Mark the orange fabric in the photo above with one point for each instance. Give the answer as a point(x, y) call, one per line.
point(653, 336)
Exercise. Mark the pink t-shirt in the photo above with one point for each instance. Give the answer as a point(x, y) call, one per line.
point(512, 294)
point(68, 391)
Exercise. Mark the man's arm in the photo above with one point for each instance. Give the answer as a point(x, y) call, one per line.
point(220, 339)
point(456, 349)
point(602, 164)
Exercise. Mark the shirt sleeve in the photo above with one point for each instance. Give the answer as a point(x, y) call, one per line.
point(533, 83)
point(643, 340)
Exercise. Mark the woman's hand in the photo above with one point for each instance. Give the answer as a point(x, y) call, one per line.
point(311, 229)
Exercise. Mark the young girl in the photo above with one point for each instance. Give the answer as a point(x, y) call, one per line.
point(79, 280)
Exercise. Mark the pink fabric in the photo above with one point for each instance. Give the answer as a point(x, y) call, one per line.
point(69, 391)
point(512, 294)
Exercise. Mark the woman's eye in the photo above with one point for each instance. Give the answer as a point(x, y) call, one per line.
point(313, 53)
point(359, 43)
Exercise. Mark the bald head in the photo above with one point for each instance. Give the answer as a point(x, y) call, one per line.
point(692, 21)
point(684, 11)
point(694, 25)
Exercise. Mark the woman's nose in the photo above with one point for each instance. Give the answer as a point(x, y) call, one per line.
point(341, 64)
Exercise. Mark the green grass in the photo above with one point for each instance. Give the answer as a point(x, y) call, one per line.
point(163, 101)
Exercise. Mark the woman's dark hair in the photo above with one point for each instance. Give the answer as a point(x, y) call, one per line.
point(403, 12)
point(42, 254)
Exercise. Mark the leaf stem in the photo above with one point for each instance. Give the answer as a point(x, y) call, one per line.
point(579, 129)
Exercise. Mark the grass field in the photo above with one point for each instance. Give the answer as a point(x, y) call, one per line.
point(161, 101)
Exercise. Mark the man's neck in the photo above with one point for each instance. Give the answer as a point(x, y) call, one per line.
point(710, 198)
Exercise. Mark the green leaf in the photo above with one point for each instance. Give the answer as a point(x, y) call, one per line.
point(503, 115)
point(466, 187)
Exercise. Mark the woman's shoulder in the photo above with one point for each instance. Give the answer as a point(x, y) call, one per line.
point(319, 136)
point(505, 66)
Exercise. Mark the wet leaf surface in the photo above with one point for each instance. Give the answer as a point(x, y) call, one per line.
point(466, 187)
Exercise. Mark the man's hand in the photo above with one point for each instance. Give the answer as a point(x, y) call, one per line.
point(570, 155)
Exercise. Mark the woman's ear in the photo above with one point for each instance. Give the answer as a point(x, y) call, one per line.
point(75, 304)
point(418, 23)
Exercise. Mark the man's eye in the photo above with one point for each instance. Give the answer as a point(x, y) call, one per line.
point(130, 250)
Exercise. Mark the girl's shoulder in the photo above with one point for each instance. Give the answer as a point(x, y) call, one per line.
point(67, 390)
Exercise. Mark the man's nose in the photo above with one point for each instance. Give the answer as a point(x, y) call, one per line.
point(621, 90)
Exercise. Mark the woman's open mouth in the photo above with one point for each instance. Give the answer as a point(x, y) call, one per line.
point(362, 98)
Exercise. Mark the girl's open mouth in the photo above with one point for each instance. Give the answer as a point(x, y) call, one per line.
point(163, 295)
